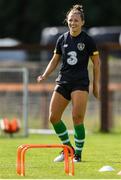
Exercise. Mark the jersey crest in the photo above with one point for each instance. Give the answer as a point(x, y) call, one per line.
point(80, 46)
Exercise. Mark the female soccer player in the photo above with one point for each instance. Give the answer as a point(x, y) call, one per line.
point(74, 48)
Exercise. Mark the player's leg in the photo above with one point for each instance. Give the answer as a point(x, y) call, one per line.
point(79, 103)
point(57, 106)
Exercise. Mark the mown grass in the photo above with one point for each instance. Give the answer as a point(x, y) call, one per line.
point(99, 150)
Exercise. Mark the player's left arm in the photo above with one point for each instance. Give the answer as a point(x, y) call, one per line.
point(96, 74)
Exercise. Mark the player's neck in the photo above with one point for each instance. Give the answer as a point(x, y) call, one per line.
point(75, 33)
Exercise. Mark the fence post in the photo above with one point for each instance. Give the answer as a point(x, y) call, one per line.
point(104, 91)
point(45, 109)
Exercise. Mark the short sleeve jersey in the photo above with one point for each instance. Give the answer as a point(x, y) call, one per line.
point(75, 53)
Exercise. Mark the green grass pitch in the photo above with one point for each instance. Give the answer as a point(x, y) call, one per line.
point(99, 150)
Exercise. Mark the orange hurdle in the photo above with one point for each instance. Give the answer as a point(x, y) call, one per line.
point(66, 149)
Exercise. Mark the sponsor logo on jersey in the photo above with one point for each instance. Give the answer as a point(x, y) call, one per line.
point(80, 46)
point(72, 60)
point(65, 45)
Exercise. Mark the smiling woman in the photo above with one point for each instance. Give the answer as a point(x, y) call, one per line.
point(74, 21)
point(74, 47)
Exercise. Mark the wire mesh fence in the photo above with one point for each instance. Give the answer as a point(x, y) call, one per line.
point(29, 101)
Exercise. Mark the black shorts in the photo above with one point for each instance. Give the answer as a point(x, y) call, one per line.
point(66, 89)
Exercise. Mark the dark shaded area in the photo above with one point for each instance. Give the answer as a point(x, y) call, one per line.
point(24, 19)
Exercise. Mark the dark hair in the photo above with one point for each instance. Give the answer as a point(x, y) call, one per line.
point(77, 8)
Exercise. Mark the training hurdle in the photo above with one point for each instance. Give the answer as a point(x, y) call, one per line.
point(68, 162)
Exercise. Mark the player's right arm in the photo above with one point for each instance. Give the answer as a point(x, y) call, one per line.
point(50, 67)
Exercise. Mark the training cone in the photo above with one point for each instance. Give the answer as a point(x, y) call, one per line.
point(119, 173)
point(106, 168)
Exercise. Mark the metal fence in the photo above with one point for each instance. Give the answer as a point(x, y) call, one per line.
point(104, 115)
point(14, 95)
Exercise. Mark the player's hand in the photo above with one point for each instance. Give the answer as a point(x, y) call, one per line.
point(40, 78)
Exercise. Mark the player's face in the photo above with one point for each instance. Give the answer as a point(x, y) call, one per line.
point(75, 23)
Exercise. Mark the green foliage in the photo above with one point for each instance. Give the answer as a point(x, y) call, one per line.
point(99, 150)
point(24, 19)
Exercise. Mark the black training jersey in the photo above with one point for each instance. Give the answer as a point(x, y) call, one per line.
point(75, 52)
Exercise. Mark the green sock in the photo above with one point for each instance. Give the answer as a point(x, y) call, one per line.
point(79, 137)
point(62, 132)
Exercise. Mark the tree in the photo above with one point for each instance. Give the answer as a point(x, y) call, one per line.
point(24, 19)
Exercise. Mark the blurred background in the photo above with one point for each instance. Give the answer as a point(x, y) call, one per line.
point(28, 32)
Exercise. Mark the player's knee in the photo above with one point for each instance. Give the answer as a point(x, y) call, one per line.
point(53, 118)
point(77, 118)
